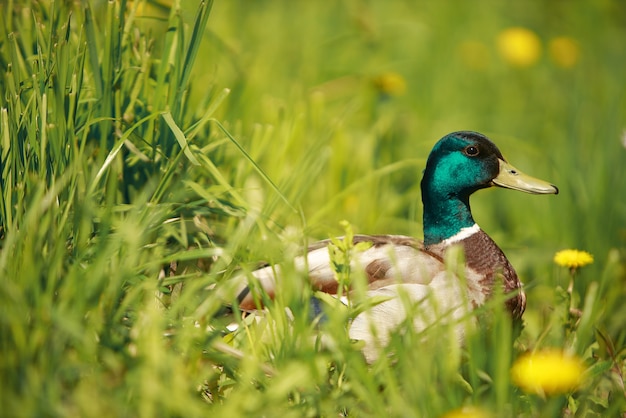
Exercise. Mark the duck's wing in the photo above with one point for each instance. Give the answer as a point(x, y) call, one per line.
point(390, 259)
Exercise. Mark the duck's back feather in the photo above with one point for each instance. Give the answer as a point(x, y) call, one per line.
point(390, 259)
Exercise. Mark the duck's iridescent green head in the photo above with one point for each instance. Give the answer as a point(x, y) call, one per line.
point(458, 165)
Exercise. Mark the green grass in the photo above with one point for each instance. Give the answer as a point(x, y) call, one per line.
point(147, 153)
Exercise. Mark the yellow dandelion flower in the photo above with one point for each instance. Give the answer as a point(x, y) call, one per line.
point(467, 412)
point(564, 51)
point(573, 259)
point(548, 372)
point(390, 84)
point(519, 47)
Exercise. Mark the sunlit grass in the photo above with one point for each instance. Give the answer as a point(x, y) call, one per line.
point(148, 156)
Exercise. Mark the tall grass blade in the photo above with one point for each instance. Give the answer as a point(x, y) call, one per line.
point(258, 168)
point(180, 137)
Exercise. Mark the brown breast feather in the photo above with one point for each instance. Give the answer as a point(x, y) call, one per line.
point(484, 256)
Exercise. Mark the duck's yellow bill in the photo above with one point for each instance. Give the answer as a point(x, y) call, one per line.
point(511, 178)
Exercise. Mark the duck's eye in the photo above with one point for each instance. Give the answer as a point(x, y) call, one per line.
point(471, 151)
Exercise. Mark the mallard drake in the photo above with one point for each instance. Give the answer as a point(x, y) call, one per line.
point(459, 164)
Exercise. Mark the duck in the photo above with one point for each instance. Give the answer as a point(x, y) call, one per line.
point(401, 268)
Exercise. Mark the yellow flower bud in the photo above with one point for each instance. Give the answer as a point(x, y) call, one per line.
point(547, 372)
point(467, 412)
point(519, 47)
point(573, 259)
point(390, 84)
point(564, 51)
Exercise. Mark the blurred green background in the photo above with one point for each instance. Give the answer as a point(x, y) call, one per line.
point(339, 102)
point(329, 92)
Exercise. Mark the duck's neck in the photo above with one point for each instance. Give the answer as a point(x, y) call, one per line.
point(445, 216)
